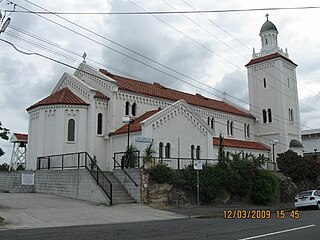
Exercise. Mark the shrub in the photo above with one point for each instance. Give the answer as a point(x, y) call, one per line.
point(297, 167)
point(163, 174)
point(265, 187)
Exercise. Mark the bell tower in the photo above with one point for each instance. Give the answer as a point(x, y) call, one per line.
point(273, 94)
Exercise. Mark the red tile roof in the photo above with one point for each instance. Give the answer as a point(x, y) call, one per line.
point(21, 136)
point(63, 96)
point(157, 90)
point(269, 57)
point(240, 144)
point(135, 126)
point(100, 95)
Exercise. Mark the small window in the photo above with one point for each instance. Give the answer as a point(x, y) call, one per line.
point(192, 151)
point(134, 109)
point(266, 41)
point(99, 124)
point(209, 121)
point(231, 128)
point(160, 149)
point(264, 83)
point(288, 82)
point(228, 127)
point(269, 115)
point(127, 110)
point(198, 152)
point(264, 115)
point(291, 115)
point(71, 130)
point(248, 131)
point(212, 123)
point(167, 150)
point(245, 130)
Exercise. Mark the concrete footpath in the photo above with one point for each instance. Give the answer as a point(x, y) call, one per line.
point(35, 210)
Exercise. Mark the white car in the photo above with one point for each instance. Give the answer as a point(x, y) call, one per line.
point(310, 198)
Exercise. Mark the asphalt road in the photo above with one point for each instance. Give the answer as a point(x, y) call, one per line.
point(307, 226)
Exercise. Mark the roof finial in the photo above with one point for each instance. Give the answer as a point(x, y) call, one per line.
point(267, 15)
point(84, 57)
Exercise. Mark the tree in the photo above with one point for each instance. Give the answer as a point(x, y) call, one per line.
point(148, 159)
point(4, 132)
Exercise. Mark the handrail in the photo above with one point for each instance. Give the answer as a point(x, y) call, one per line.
point(115, 161)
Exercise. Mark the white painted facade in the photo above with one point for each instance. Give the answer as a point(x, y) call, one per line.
point(178, 123)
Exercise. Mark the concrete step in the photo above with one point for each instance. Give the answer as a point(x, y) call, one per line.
point(119, 193)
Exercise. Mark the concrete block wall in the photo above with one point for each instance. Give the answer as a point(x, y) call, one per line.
point(77, 184)
point(135, 174)
point(11, 181)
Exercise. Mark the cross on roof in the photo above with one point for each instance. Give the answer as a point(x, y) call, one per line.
point(267, 15)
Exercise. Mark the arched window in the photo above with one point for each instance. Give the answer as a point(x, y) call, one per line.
point(264, 115)
point(192, 151)
point(264, 83)
point(99, 124)
point(161, 150)
point(269, 115)
point(198, 152)
point(71, 130)
point(212, 123)
point(231, 128)
point(167, 150)
point(209, 121)
point(228, 127)
point(248, 131)
point(291, 114)
point(127, 110)
point(134, 109)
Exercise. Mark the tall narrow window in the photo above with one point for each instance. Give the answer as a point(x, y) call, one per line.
point(288, 82)
point(228, 127)
point(99, 125)
point(167, 150)
point(212, 123)
point(209, 121)
point(245, 130)
point(160, 149)
point(134, 109)
point(248, 131)
point(192, 151)
point(198, 152)
point(289, 115)
point(71, 130)
point(231, 128)
point(264, 83)
point(269, 115)
point(264, 115)
point(127, 110)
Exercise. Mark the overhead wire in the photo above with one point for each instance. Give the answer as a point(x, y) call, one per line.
point(210, 92)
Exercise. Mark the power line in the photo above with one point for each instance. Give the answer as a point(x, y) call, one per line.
point(167, 12)
point(188, 83)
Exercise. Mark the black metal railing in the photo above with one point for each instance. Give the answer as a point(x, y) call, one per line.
point(78, 160)
point(122, 160)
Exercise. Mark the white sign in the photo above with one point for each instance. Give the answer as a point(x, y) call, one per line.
point(197, 164)
point(142, 143)
point(27, 179)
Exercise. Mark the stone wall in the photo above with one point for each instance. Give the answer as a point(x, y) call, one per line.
point(77, 184)
point(135, 174)
point(12, 182)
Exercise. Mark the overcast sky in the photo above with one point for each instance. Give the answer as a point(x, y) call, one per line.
point(212, 49)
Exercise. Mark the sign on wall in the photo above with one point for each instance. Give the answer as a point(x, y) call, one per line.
point(27, 179)
point(142, 143)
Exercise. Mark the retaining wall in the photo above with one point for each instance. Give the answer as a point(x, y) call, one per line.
point(76, 183)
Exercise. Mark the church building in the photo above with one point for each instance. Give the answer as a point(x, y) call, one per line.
point(89, 111)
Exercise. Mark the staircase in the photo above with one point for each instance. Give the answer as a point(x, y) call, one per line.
point(119, 193)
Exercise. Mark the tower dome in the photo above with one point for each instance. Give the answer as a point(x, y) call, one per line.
point(268, 26)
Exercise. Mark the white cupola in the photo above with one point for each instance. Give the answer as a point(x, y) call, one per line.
point(269, 36)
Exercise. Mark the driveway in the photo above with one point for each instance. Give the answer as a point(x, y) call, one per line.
point(35, 210)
